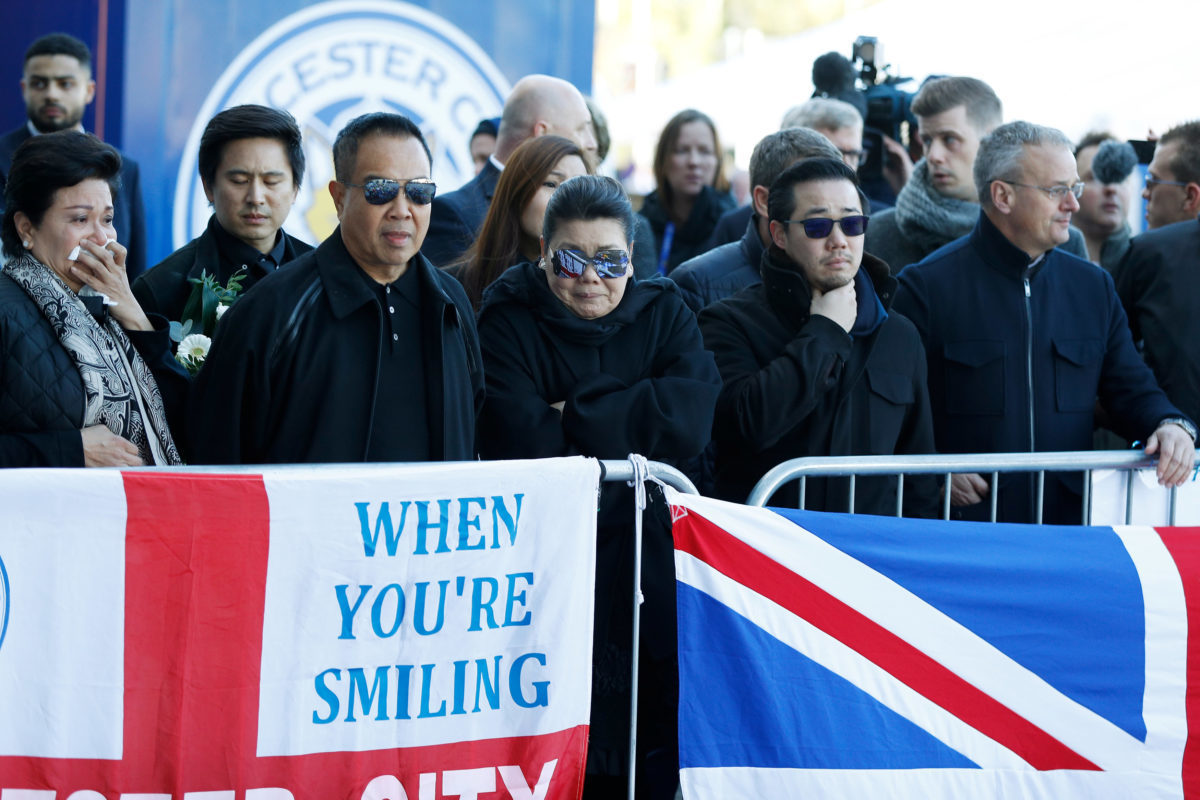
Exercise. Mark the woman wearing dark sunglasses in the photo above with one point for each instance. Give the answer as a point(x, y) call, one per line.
point(581, 358)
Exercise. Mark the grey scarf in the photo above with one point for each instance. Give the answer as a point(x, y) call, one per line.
point(929, 218)
point(119, 390)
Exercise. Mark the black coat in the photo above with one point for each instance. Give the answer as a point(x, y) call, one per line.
point(1018, 355)
point(129, 216)
point(165, 288)
point(41, 393)
point(637, 380)
point(798, 385)
point(1159, 285)
point(456, 217)
point(721, 272)
point(283, 382)
point(690, 239)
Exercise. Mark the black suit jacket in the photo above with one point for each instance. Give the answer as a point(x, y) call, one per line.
point(456, 217)
point(165, 287)
point(1159, 285)
point(129, 217)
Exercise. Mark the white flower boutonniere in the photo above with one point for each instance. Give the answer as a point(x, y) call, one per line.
point(192, 351)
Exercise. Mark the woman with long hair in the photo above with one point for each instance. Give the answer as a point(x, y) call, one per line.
point(510, 230)
point(691, 193)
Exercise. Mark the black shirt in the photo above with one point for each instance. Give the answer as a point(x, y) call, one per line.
point(399, 424)
point(234, 251)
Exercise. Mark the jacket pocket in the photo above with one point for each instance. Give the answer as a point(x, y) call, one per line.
point(974, 374)
point(891, 396)
point(1077, 373)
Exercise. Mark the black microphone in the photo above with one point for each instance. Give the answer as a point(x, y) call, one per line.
point(833, 74)
point(1114, 161)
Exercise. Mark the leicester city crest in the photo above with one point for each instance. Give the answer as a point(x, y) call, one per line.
point(331, 62)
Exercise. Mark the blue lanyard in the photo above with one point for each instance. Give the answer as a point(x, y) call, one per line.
point(665, 253)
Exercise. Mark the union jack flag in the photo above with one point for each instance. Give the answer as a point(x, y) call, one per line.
point(826, 655)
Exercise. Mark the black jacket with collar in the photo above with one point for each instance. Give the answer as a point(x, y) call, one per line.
point(722, 271)
point(165, 288)
point(456, 217)
point(41, 392)
point(282, 383)
point(796, 384)
point(636, 380)
point(1159, 285)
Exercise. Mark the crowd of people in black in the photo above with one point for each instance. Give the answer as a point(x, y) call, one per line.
point(998, 306)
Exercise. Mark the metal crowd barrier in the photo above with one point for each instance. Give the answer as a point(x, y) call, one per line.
point(610, 471)
point(947, 465)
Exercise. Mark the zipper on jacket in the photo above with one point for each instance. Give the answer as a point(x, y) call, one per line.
point(1029, 358)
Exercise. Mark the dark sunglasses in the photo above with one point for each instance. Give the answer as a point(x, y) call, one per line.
point(820, 227)
point(572, 263)
point(381, 191)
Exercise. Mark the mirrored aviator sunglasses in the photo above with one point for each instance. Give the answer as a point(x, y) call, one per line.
point(381, 191)
point(573, 263)
point(821, 227)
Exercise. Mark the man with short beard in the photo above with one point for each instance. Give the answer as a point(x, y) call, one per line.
point(814, 362)
point(57, 86)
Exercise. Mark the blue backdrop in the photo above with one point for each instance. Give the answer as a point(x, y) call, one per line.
point(161, 58)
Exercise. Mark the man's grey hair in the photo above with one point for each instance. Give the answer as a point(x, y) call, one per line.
point(778, 151)
point(1001, 153)
point(823, 113)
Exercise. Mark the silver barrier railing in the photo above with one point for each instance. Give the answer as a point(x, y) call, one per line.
point(610, 470)
point(948, 465)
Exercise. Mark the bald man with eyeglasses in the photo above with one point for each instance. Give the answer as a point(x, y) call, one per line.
point(1022, 338)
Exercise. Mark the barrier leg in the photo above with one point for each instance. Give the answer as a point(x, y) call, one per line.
point(641, 474)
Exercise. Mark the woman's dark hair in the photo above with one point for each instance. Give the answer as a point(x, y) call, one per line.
point(43, 165)
point(666, 144)
point(501, 241)
point(250, 122)
point(588, 197)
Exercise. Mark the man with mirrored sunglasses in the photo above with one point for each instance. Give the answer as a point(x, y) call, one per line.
point(360, 350)
point(1022, 338)
point(813, 360)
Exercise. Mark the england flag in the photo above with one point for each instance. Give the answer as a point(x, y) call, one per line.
point(835, 656)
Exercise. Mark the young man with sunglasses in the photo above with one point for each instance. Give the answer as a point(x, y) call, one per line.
point(813, 361)
point(251, 165)
point(358, 351)
point(1022, 338)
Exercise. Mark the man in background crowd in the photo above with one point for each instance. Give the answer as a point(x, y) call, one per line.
point(1103, 215)
point(1159, 280)
point(57, 86)
point(940, 202)
point(537, 105)
point(1173, 178)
